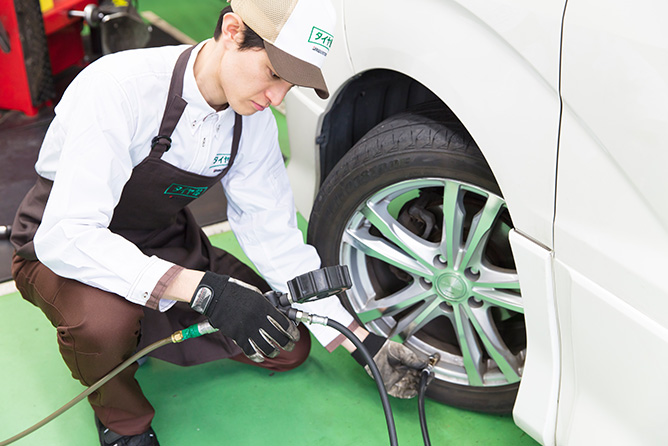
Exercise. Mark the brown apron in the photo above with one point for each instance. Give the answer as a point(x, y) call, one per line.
point(152, 214)
point(97, 330)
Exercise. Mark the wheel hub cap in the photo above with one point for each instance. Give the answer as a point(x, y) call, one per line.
point(451, 287)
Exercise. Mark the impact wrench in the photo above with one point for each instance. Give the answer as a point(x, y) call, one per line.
point(308, 287)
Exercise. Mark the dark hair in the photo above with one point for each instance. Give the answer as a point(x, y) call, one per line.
point(250, 38)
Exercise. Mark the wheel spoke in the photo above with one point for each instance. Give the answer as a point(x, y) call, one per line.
point(496, 286)
point(411, 323)
point(496, 348)
point(480, 228)
point(468, 344)
point(500, 298)
point(381, 249)
point(395, 303)
point(406, 241)
point(453, 218)
point(507, 283)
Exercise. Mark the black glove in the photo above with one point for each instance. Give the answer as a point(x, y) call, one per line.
point(398, 365)
point(242, 313)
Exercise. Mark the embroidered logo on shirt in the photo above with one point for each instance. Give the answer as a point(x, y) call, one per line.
point(185, 191)
point(220, 161)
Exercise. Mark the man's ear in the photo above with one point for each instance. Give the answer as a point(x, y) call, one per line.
point(232, 28)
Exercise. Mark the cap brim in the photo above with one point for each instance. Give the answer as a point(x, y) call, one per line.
point(296, 71)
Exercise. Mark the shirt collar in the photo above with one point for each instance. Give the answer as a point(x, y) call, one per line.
point(197, 108)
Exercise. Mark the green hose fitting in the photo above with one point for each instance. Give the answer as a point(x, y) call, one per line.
point(193, 331)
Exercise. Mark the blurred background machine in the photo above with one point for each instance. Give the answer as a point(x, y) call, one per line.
point(40, 39)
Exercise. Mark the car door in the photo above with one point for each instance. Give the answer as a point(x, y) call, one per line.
point(611, 226)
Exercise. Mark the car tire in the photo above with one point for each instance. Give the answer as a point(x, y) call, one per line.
point(381, 212)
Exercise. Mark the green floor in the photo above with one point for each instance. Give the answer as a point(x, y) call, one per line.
point(327, 401)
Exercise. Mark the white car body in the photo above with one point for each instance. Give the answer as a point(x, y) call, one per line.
point(568, 102)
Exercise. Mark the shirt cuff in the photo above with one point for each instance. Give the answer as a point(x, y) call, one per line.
point(141, 290)
point(340, 338)
point(156, 302)
point(330, 307)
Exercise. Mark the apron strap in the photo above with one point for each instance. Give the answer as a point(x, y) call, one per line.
point(174, 108)
point(236, 137)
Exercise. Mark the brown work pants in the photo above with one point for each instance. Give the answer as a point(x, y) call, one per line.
point(98, 330)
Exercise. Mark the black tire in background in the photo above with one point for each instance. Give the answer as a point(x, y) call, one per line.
point(415, 212)
point(35, 50)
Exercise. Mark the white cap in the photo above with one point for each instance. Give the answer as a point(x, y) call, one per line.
point(298, 35)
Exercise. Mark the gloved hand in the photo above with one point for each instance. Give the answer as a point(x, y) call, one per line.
point(399, 366)
point(242, 313)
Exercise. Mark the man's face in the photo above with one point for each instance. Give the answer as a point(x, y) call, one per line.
point(249, 81)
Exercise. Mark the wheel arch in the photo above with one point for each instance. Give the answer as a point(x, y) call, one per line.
point(363, 102)
point(509, 105)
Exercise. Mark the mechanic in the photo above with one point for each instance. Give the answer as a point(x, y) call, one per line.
point(106, 248)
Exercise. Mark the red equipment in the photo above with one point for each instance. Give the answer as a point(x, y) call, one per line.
point(35, 46)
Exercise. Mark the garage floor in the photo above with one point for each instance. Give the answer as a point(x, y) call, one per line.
point(329, 400)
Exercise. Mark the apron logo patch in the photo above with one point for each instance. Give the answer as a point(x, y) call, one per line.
point(185, 191)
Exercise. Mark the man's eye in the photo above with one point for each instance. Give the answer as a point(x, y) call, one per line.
point(274, 75)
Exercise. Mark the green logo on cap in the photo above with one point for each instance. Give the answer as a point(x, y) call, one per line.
point(320, 37)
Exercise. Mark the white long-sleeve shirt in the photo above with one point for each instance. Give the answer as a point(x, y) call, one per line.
point(103, 128)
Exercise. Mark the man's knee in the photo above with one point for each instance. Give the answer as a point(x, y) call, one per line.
point(285, 360)
point(100, 336)
point(101, 322)
point(291, 360)
point(301, 351)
